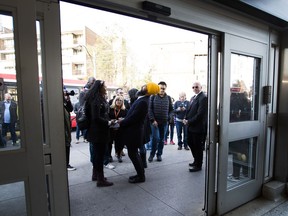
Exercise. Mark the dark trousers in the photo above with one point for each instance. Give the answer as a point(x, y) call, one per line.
point(195, 142)
point(67, 155)
point(9, 127)
point(136, 159)
point(98, 152)
point(107, 155)
point(115, 136)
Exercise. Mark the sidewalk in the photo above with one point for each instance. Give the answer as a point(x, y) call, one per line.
point(170, 189)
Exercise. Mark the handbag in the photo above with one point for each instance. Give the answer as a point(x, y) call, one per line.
point(82, 118)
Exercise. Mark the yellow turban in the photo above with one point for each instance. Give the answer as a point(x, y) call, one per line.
point(152, 88)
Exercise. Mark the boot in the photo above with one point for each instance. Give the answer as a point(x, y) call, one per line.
point(101, 181)
point(143, 158)
point(138, 164)
point(136, 179)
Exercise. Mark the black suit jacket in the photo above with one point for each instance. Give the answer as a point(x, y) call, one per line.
point(197, 114)
point(12, 109)
point(132, 127)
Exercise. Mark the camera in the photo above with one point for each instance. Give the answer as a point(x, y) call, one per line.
point(67, 93)
point(181, 105)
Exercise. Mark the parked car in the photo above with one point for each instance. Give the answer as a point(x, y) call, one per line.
point(73, 120)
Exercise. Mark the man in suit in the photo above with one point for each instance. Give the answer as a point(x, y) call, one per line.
point(132, 129)
point(9, 117)
point(196, 120)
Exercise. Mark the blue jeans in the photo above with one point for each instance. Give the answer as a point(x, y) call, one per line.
point(181, 128)
point(157, 142)
point(83, 132)
point(148, 145)
point(170, 131)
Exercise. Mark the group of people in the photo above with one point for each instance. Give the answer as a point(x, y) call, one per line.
point(131, 125)
point(190, 118)
point(142, 120)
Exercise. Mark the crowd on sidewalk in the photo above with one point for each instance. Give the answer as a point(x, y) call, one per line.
point(139, 120)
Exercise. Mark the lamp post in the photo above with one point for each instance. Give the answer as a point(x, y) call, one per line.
point(92, 58)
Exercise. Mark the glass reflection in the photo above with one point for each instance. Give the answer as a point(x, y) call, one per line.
point(10, 128)
point(241, 161)
point(244, 88)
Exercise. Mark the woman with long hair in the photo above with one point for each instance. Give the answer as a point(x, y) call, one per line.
point(98, 133)
point(117, 110)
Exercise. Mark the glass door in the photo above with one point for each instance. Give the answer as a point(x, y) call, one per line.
point(22, 179)
point(33, 178)
point(242, 119)
point(52, 106)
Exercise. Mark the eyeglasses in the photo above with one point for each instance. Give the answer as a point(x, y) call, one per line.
point(195, 87)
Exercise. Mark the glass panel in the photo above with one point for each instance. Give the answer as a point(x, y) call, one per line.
point(12, 199)
point(241, 161)
point(10, 128)
point(40, 73)
point(244, 88)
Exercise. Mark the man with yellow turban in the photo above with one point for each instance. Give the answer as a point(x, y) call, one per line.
point(132, 129)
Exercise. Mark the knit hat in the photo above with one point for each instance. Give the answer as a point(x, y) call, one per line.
point(152, 88)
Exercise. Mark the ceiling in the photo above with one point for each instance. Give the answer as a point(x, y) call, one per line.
point(273, 12)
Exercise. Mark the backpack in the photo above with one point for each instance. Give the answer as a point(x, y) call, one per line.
point(82, 118)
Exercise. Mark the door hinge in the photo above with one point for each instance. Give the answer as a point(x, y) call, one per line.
point(47, 159)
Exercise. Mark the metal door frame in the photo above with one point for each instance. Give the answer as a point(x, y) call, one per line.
point(252, 189)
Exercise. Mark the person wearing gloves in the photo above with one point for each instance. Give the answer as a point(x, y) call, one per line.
point(132, 129)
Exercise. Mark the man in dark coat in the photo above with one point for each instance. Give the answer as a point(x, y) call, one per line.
point(8, 117)
point(132, 129)
point(196, 119)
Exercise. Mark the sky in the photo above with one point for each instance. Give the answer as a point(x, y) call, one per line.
point(75, 16)
point(140, 35)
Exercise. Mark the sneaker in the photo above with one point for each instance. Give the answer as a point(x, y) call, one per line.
point(77, 141)
point(172, 142)
point(85, 141)
point(179, 148)
point(165, 142)
point(109, 166)
point(70, 168)
point(187, 148)
point(233, 178)
point(159, 158)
